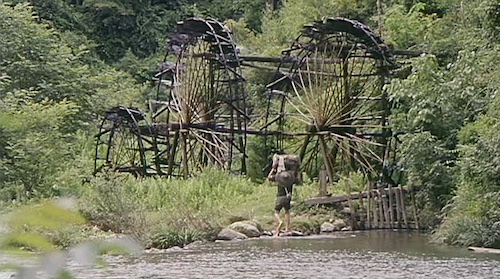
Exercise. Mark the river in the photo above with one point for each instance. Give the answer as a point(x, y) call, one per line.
point(369, 254)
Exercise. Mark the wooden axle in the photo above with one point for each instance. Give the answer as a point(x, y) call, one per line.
point(166, 129)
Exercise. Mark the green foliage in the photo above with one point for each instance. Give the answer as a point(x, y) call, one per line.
point(354, 182)
point(477, 199)
point(34, 145)
point(427, 170)
point(47, 94)
point(38, 227)
point(407, 28)
point(280, 28)
point(468, 231)
point(445, 93)
point(141, 207)
point(167, 238)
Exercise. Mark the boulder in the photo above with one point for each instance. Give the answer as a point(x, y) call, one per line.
point(336, 225)
point(327, 227)
point(254, 223)
point(339, 224)
point(248, 228)
point(229, 234)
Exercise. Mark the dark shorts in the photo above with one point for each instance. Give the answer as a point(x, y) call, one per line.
point(282, 202)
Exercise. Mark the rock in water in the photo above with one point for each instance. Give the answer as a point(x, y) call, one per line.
point(229, 234)
point(245, 228)
point(327, 227)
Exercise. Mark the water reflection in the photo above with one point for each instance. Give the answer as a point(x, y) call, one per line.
point(371, 254)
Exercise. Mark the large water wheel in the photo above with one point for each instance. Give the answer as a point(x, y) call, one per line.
point(198, 113)
point(331, 82)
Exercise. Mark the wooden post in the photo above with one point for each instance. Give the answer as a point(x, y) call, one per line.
point(185, 164)
point(171, 156)
point(391, 204)
point(322, 183)
point(368, 205)
point(375, 211)
point(326, 159)
point(380, 210)
point(362, 215)
point(397, 194)
point(403, 207)
point(351, 207)
point(385, 203)
point(415, 215)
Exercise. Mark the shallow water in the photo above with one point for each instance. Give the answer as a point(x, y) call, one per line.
point(373, 254)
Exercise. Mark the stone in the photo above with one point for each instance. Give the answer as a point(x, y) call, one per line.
point(339, 224)
point(254, 223)
point(229, 234)
point(246, 228)
point(348, 228)
point(327, 227)
point(336, 225)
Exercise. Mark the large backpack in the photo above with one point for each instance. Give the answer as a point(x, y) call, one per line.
point(287, 167)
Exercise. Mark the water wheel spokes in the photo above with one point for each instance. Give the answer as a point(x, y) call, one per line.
point(204, 108)
point(121, 146)
point(335, 90)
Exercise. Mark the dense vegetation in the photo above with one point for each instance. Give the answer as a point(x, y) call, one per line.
point(62, 62)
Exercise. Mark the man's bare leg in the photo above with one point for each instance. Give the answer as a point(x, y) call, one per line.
point(278, 221)
point(287, 221)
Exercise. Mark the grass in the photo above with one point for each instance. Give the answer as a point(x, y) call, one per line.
point(162, 212)
point(158, 212)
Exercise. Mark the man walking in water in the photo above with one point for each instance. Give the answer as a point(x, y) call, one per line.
point(285, 172)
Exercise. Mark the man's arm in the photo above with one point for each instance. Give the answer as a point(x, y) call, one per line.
point(272, 174)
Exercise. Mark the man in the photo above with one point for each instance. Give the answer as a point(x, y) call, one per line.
point(285, 172)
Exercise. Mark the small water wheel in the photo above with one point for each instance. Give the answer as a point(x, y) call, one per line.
point(199, 111)
point(331, 82)
point(121, 145)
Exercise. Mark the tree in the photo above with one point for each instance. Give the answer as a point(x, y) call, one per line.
point(47, 94)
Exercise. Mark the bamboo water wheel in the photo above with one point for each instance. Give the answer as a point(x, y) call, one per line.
point(121, 143)
point(197, 114)
point(326, 101)
point(330, 85)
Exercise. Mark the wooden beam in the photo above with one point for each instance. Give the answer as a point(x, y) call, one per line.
point(338, 199)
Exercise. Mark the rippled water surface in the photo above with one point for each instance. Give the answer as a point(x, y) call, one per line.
point(375, 254)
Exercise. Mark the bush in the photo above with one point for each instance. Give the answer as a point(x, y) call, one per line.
point(467, 231)
point(44, 226)
point(167, 238)
point(157, 211)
